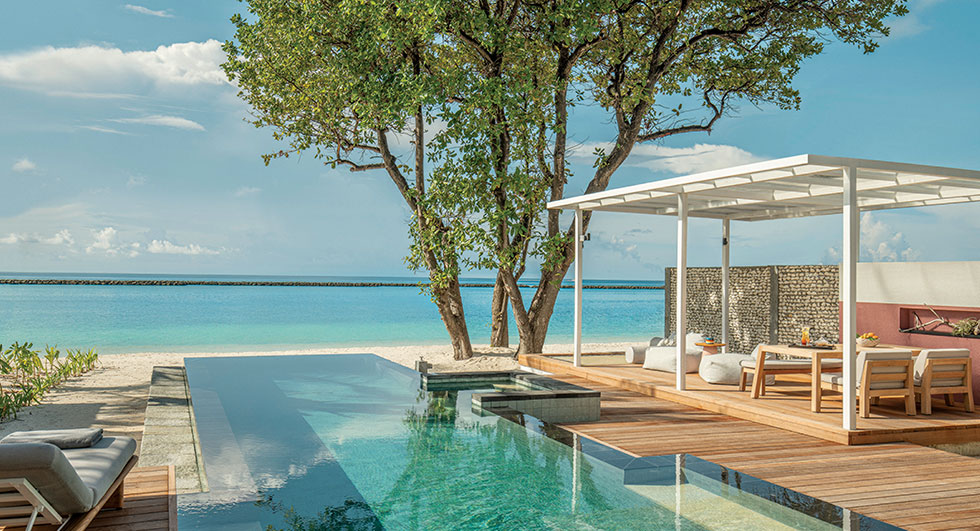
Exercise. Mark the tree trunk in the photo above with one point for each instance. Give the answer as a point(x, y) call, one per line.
point(535, 328)
point(450, 304)
point(498, 315)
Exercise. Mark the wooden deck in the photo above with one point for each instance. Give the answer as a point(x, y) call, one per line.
point(904, 484)
point(150, 503)
point(786, 405)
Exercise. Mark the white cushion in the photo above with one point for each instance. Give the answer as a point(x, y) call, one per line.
point(938, 353)
point(691, 340)
point(635, 354)
point(791, 364)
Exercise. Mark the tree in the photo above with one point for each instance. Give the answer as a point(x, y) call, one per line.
point(346, 80)
point(639, 61)
point(343, 77)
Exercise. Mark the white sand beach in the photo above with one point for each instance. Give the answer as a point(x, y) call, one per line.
point(114, 395)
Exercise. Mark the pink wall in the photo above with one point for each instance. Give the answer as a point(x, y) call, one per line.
point(886, 319)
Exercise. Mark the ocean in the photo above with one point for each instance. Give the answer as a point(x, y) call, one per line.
point(137, 318)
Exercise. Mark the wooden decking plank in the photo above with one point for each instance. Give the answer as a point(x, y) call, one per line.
point(902, 483)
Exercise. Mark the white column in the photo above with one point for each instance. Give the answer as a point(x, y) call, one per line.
point(725, 298)
point(848, 276)
point(680, 320)
point(577, 357)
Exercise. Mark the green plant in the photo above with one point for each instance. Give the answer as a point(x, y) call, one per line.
point(26, 375)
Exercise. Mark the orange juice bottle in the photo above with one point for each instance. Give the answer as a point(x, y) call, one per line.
point(805, 338)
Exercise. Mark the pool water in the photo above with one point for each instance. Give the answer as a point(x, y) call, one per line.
point(353, 442)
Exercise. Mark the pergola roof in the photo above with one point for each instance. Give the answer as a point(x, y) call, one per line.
point(799, 186)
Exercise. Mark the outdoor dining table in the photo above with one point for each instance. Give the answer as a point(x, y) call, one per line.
point(816, 355)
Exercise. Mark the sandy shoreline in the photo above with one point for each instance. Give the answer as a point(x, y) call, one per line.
point(114, 395)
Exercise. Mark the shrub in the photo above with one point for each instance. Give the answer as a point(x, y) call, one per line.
point(26, 375)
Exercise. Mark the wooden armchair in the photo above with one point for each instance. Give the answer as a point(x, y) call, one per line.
point(886, 373)
point(944, 372)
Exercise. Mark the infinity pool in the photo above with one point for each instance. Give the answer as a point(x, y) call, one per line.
point(352, 442)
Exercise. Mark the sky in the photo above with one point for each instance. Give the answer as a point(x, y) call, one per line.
point(124, 149)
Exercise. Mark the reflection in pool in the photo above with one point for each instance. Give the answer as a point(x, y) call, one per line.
point(352, 442)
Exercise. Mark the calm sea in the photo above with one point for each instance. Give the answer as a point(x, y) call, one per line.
point(120, 319)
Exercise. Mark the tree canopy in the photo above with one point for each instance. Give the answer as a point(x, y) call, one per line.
point(466, 106)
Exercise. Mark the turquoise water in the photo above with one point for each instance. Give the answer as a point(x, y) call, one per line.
point(118, 319)
point(351, 442)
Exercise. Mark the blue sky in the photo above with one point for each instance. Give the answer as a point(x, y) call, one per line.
point(123, 149)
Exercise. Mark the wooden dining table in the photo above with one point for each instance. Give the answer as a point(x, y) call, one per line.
point(817, 356)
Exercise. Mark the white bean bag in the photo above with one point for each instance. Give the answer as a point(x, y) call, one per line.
point(665, 359)
point(725, 369)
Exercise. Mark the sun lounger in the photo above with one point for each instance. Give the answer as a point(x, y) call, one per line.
point(61, 477)
point(887, 373)
point(944, 372)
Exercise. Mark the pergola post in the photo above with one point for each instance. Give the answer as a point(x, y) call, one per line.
point(848, 276)
point(725, 298)
point(577, 355)
point(681, 318)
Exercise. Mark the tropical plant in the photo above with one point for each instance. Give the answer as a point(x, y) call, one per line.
point(25, 376)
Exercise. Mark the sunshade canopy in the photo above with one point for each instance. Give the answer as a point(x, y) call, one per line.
point(791, 187)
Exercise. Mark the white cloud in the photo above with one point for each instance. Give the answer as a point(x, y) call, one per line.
point(94, 71)
point(147, 11)
point(911, 24)
point(135, 181)
point(62, 237)
point(163, 121)
point(168, 247)
point(681, 161)
point(24, 165)
point(104, 241)
point(100, 129)
point(247, 191)
point(879, 243)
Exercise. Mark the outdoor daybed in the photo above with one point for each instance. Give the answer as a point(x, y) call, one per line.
point(61, 477)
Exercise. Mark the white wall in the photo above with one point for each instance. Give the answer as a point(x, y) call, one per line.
point(933, 283)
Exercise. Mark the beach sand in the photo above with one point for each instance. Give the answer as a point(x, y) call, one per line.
point(114, 395)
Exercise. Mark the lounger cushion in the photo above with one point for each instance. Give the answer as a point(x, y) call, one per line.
point(64, 439)
point(665, 359)
point(47, 468)
point(100, 465)
point(636, 354)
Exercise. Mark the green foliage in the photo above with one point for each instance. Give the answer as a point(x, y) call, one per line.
point(26, 375)
point(967, 327)
point(465, 104)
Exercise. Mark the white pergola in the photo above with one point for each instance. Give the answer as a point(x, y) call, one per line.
point(792, 187)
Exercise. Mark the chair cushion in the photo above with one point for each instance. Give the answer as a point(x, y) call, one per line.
point(791, 364)
point(655, 341)
point(934, 353)
point(635, 354)
point(945, 382)
point(64, 439)
point(49, 471)
point(101, 464)
point(838, 379)
point(665, 359)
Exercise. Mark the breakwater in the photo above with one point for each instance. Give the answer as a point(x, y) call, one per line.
point(108, 282)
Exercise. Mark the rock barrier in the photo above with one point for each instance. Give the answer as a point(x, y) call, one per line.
point(106, 282)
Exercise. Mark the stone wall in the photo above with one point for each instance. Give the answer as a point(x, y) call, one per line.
point(769, 304)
